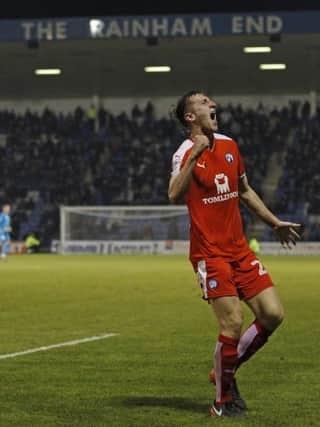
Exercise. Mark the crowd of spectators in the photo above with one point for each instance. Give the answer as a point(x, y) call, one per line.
point(299, 185)
point(94, 157)
point(298, 196)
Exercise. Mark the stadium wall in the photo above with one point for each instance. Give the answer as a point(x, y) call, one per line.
point(165, 247)
point(162, 104)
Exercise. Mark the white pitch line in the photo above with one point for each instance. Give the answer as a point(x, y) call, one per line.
point(62, 344)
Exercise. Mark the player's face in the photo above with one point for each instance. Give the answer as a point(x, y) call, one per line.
point(201, 112)
point(6, 209)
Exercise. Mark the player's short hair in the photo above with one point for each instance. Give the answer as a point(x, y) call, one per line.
point(180, 109)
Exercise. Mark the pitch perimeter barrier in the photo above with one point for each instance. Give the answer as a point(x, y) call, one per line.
point(168, 247)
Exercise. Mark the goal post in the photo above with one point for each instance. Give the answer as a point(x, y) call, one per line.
point(123, 229)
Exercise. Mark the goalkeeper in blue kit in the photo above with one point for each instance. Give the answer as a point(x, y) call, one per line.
point(5, 230)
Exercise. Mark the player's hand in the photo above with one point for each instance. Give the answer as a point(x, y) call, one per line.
point(201, 143)
point(288, 233)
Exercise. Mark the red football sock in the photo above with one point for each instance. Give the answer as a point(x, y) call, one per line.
point(226, 360)
point(251, 341)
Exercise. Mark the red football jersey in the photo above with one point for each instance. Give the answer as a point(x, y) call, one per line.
point(213, 200)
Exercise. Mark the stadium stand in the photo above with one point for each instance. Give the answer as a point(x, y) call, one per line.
point(97, 158)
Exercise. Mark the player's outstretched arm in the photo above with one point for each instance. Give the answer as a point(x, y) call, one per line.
point(287, 232)
point(179, 185)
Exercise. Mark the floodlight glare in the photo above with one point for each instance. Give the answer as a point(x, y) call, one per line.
point(257, 49)
point(157, 69)
point(47, 71)
point(269, 67)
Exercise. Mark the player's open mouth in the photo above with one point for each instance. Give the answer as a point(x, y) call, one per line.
point(213, 115)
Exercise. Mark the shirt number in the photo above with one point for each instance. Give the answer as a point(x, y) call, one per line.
point(261, 271)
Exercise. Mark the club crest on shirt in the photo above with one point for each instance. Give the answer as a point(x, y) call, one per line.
point(222, 183)
point(213, 284)
point(229, 157)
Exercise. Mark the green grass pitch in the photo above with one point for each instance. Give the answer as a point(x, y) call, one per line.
point(155, 372)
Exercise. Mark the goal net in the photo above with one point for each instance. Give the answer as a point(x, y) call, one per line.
point(119, 229)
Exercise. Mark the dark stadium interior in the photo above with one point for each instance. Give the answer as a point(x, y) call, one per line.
point(50, 159)
point(36, 9)
point(102, 67)
point(111, 160)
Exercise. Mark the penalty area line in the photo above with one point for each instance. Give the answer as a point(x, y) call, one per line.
point(58, 345)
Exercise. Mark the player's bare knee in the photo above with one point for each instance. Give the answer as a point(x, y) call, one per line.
point(279, 316)
point(273, 318)
point(232, 325)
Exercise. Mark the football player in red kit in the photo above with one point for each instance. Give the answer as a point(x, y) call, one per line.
point(209, 173)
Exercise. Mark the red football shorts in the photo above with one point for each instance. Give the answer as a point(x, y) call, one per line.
point(244, 278)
